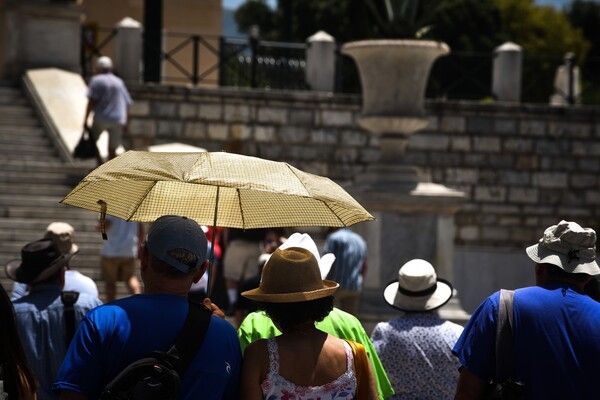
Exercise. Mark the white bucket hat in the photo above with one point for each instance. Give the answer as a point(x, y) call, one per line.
point(304, 241)
point(568, 246)
point(417, 288)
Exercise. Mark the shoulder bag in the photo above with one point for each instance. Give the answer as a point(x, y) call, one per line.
point(361, 370)
point(503, 387)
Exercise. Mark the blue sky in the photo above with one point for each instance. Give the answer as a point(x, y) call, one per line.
point(233, 4)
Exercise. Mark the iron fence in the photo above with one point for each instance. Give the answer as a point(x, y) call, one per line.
point(248, 62)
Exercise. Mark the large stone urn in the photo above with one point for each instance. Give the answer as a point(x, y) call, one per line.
point(414, 216)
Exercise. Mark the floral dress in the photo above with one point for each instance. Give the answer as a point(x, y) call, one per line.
point(276, 387)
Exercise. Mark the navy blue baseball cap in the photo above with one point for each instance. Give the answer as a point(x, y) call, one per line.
point(171, 232)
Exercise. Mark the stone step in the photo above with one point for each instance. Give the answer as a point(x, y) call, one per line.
point(16, 110)
point(24, 140)
point(10, 130)
point(84, 238)
point(11, 96)
point(59, 211)
point(16, 120)
point(86, 226)
point(20, 156)
point(28, 201)
point(34, 177)
point(76, 170)
point(37, 146)
point(28, 148)
point(34, 190)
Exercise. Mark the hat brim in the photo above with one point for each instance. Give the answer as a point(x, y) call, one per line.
point(402, 302)
point(541, 255)
point(258, 294)
point(13, 266)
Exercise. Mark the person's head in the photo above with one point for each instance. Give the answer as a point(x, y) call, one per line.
point(291, 289)
point(174, 252)
point(63, 236)
point(41, 261)
point(17, 375)
point(417, 289)
point(104, 64)
point(274, 237)
point(566, 252)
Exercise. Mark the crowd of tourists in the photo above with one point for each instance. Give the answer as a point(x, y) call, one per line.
point(293, 330)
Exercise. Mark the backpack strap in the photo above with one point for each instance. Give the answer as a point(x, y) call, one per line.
point(69, 298)
point(190, 339)
point(504, 336)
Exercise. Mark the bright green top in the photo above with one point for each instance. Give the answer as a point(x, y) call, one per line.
point(258, 325)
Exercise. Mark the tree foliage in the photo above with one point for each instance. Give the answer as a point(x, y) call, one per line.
point(475, 27)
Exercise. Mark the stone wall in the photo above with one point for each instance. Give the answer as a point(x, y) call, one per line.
point(522, 167)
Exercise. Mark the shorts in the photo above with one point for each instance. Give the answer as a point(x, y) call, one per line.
point(115, 132)
point(241, 260)
point(117, 268)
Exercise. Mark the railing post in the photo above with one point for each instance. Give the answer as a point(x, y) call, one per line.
point(195, 60)
point(222, 60)
point(254, 34)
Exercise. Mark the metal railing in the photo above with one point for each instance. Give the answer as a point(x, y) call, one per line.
point(247, 62)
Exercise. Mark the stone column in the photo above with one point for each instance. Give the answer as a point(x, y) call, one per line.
point(320, 62)
point(128, 50)
point(507, 71)
point(42, 34)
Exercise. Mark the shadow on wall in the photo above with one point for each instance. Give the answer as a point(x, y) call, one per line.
point(481, 272)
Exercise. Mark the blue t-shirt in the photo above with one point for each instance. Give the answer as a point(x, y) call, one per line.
point(116, 334)
point(556, 342)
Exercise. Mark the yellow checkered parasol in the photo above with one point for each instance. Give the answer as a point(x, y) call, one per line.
point(219, 188)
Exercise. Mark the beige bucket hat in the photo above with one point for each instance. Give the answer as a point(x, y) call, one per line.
point(568, 246)
point(418, 288)
point(63, 236)
point(291, 275)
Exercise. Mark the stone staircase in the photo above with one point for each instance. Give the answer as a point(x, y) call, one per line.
point(33, 179)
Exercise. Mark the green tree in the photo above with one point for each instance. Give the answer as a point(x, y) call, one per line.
point(585, 15)
point(256, 12)
point(546, 36)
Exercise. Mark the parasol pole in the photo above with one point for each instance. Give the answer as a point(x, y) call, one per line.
point(211, 257)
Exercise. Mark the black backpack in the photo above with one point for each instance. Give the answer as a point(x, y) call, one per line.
point(158, 376)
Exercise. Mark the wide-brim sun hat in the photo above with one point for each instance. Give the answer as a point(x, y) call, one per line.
point(291, 275)
point(39, 261)
point(568, 246)
point(304, 241)
point(417, 288)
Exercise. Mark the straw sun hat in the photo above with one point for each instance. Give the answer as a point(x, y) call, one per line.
point(291, 275)
point(418, 288)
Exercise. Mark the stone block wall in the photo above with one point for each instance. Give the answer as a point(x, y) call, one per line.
point(523, 167)
point(314, 132)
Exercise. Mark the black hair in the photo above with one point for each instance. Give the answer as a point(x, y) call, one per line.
point(555, 272)
point(288, 315)
point(166, 270)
